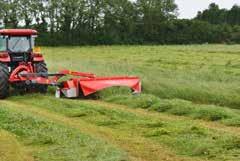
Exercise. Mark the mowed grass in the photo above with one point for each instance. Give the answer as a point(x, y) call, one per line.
point(47, 140)
point(189, 108)
point(187, 139)
point(180, 107)
point(11, 149)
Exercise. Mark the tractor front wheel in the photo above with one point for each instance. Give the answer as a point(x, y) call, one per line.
point(4, 84)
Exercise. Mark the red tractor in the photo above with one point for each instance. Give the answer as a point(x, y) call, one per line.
point(16, 55)
point(25, 70)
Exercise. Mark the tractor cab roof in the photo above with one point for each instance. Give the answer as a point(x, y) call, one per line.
point(18, 32)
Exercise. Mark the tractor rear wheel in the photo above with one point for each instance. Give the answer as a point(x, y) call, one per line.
point(4, 84)
point(40, 67)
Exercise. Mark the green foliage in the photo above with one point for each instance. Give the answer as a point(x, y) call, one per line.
point(91, 22)
point(214, 15)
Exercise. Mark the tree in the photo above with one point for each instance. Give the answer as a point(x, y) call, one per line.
point(75, 22)
point(152, 13)
point(213, 14)
point(10, 13)
point(233, 16)
point(118, 21)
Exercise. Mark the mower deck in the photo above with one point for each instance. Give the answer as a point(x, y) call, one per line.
point(81, 83)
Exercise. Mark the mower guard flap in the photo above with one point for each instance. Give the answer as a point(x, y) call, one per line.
point(92, 85)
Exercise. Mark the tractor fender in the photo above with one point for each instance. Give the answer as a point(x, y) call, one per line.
point(4, 57)
point(37, 57)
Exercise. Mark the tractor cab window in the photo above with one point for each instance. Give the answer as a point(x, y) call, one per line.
point(2, 43)
point(19, 44)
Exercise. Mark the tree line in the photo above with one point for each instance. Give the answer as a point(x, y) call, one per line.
point(92, 22)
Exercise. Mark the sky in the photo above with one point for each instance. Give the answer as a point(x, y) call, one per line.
point(189, 8)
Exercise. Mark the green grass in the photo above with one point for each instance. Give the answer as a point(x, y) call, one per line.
point(180, 108)
point(201, 81)
point(11, 149)
point(189, 109)
point(49, 140)
point(184, 137)
point(207, 74)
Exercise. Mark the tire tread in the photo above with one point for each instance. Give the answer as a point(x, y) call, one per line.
point(4, 83)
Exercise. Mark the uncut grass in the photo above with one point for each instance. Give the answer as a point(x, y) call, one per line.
point(49, 140)
point(185, 138)
point(205, 74)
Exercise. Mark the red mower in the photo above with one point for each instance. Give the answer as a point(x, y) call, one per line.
point(24, 69)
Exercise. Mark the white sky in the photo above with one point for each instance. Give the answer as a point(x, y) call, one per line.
point(189, 8)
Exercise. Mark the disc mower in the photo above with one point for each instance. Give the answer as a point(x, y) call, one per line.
point(24, 69)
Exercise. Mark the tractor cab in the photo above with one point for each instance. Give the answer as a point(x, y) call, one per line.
point(17, 43)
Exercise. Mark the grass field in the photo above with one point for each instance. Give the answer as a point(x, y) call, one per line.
point(189, 108)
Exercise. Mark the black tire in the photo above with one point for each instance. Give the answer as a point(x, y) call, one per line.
point(4, 83)
point(40, 67)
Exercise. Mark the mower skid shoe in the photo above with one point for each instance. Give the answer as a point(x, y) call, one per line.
point(92, 85)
